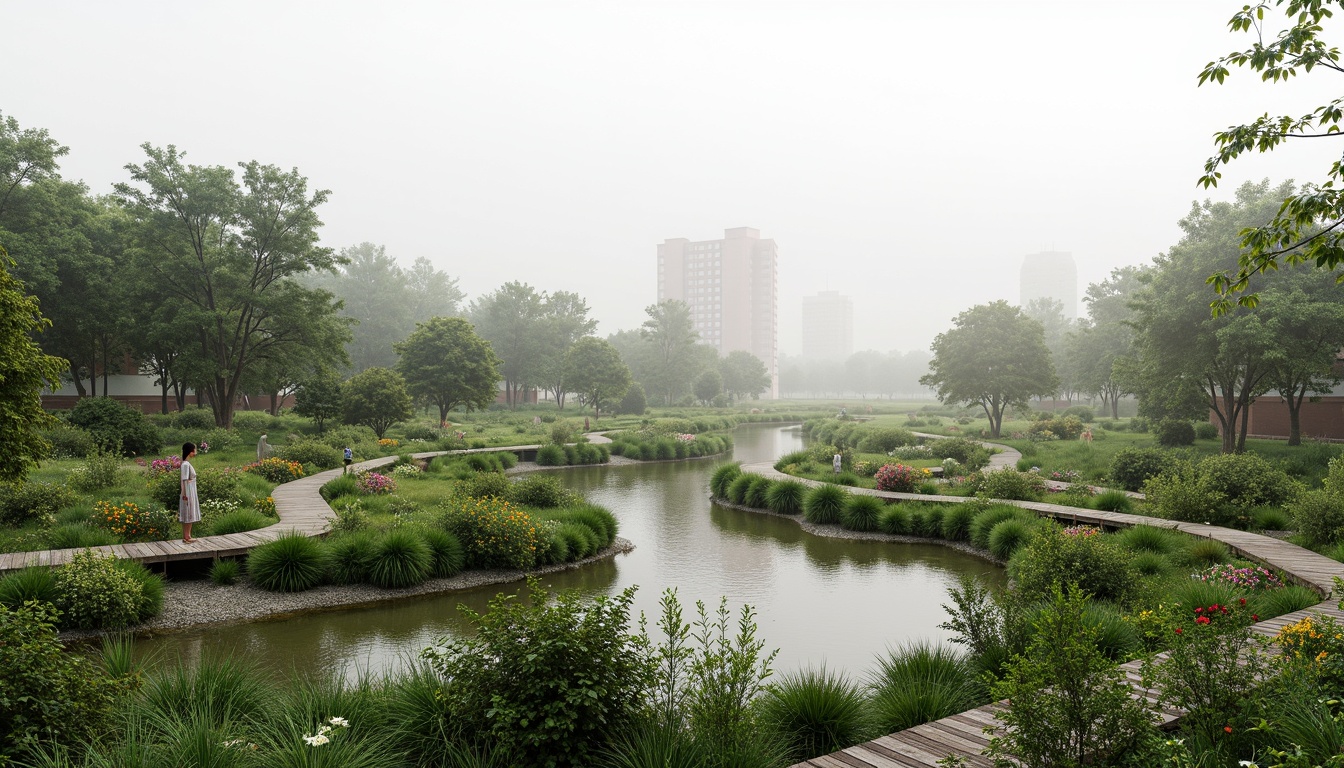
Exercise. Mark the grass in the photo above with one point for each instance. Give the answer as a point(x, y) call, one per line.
point(985, 521)
point(861, 512)
point(239, 521)
point(291, 563)
point(757, 492)
point(823, 504)
point(737, 489)
point(401, 559)
point(224, 572)
point(1009, 536)
point(786, 497)
point(720, 478)
point(1276, 602)
point(446, 552)
point(815, 712)
point(921, 682)
point(895, 519)
point(1202, 553)
point(957, 522)
point(33, 583)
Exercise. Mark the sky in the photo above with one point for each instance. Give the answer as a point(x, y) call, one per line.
point(905, 154)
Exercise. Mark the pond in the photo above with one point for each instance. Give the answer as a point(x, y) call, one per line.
point(819, 600)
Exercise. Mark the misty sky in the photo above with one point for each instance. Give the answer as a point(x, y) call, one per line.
point(906, 154)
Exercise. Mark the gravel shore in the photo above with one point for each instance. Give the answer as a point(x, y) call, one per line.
point(195, 604)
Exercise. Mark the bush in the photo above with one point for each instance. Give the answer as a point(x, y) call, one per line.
point(786, 497)
point(1204, 553)
point(291, 563)
point(239, 521)
point(485, 485)
point(345, 485)
point(1113, 501)
point(1319, 517)
point(737, 490)
point(448, 555)
point(881, 440)
point(822, 505)
point(51, 696)
point(721, 477)
point(1132, 467)
point(1055, 559)
point(349, 556)
point(211, 485)
point(1271, 519)
point(895, 520)
point(551, 456)
point(68, 442)
point(1245, 481)
point(984, 522)
point(1146, 538)
point(1011, 484)
point(115, 427)
point(400, 559)
point(95, 594)
point(600, 520)
point(98, 471)
point(633, 402)
point(540, 491)
point(965, 451)
point(35, 583)
point(1081, 412)
point(861, 512)
point(276, 469)
point(312, 452)
point(757, 492)
point(151, 584)
point(494, 533)
point(1174, 433)
point(580, 540)
point(815, 712)
point(920, 683)
point(1206, 431)
point(957, 522)
point(1177, 494)
point(33, 502)
point(224, 572)
point(898, 478)
point(547, 683)
point(1009, 536)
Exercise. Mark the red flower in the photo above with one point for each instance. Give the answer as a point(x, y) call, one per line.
point(1243, 601)
point(1254, 617)
point(1227, 728)
point(1178, 630)
point(1202, 620)
point(1199, 610)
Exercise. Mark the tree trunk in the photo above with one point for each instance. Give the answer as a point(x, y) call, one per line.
point(275, 404)
point(75, 377)
point(163, 394)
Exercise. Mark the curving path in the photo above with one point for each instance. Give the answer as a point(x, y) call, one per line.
point(298, 503)
point(963, 734)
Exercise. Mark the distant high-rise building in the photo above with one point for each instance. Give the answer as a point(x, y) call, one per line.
point(828, 326)
point(732, 290)
point(1050, 275)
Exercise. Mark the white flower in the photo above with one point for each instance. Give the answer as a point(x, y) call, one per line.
point(340, 721)
point(316, 741)
point(1247, 764)
point(232, 743)
point(324, 730)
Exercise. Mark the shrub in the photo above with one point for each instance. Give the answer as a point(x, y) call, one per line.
point(737, 489)
point(1177, 494)
point(1081, 412)
point(965, 451)
point(895, 520)
point(291, 563)
point(861, 512)
point(815, 712)
point(224, 572)
point(1011, 484)
point(1009, 536)
point(549, 682)
point(151, 584)
point(898, 478)
point(33, 502)
point(551, 456)
point(540, 491)
point(276, 469)
point(786, 497)
point(239, 521)
point(36, 583)
point(927, 520)
point(95, 594)
point(345, 485)
point(115, 427)
point(1057, 558)
point(881, 440)
point(1246, 481)
point(580, 540)
point(920, 683)
point(67, 442)
point(633, 402)
point(757, 491)
point(211, 485)
point(50, 695)
point(822, 505)
point(1151, 564)
point(1206, 431)
point(349, 556)
point(97, 472)
point(401, 559)
point(1318, 516)
point(1131, 467)
point(1174, 433)
point(1113, 501)
point(375, 484)
point(957, 522)
point(600, 520)
point(312, 452)
point(494, 533)
point(484, 485)
point(131, 522)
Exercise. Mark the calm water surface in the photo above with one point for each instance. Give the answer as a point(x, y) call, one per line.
point(818, 600)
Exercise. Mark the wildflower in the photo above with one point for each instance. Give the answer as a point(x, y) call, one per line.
point(1178, 630)
point(318, 740)
point(1201, 619)
point(1227, 728)
point(340, 721)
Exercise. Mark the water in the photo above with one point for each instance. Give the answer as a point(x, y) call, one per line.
point(819, 600)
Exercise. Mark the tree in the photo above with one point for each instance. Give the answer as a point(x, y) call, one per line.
point(1187, 362)
point(633, 402)
point(708, 386)
point(376, 398)
point(744, 375)
point(672, 336)
point(510, 319)
point(445, 363)
point(24, 371)
point(229, 255)
point(1050, 314)
point(1094, 347)
point(1305, 315)
point(319, 398)
point(564, 321)
point(1308, 226)
point(994, 357)
point(596, 371)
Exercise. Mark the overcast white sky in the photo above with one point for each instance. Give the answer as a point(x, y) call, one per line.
point(906, 154)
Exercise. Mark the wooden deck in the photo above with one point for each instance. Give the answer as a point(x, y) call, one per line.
point(963, 734)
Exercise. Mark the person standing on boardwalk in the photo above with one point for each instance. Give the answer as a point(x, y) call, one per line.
point(188, 507)
point(349, 456)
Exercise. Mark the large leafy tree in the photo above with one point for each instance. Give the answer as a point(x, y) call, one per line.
point(1309, 224)
point(376, 398)
point(511, 320)
point(708, 385)
point(445, 363)
point(671, 335)
point(564, 321)
point(229, 254)
point(319, 398)
point(994, 356)
point(597, 372)
point(744, 375)
point(1186, 361)
point(1094, 347)
point(1305, 315)
point(24, 371)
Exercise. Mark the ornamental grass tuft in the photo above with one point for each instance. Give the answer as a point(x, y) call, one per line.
point(448, 555)
point(757, 492)
point(224, 572)
point(291, 563)
point(721, 477)
point(957, 522)
point(1113, 501)
point(581, 540)
point(239, 521)
point(786, 497)
point(920, 682)
point(861, 512)
point(1009, 536)
point(985, 522)
point(1276, 602)
point(815, 712)
point(895, 519)
point(1147, 538)
point(401, 559)
point(823, 504)
point(737, 489)
point(37, 583)
point(1203, 553)
point(349, 557)
point(600, 520)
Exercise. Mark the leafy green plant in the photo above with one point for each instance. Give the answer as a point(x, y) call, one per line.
point(344, 485)
point(32, 502)
point(551, 456)
point(291, 563)
point(823, 504)
point(313, 452)
point(1132, 467)
point(1011, 484)
point(815, 712)
point(98, 471)
point(542, 491)
point(495, 533)
point(1061, 558)
point(95, 594)
point(151, 585)
point(401, 559)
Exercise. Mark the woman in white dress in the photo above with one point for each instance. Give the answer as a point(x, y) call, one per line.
point(188, 508)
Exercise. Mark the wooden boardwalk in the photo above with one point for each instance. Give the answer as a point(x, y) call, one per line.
point(963, 734)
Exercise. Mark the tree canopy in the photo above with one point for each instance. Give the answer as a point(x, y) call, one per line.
point(596, 371)
point(376, 398)
point(24, 371)
point(445, 363)
point(744, 375)
point(995, 357)
point(1309, 224)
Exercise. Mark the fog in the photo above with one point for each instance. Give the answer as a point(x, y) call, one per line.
point(906, 154)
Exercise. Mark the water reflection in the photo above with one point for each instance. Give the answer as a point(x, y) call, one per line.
point(818, 599)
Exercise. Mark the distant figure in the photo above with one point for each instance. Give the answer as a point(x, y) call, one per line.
point(1087, 436)
point(835, 463)
point(585, 423)
point(536, 420)
point(189, 506)
point(262, 448)
point(349, 456)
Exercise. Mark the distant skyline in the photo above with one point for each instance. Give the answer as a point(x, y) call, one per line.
point(905, 154)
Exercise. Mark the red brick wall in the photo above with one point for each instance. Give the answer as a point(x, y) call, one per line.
point(1323, 420)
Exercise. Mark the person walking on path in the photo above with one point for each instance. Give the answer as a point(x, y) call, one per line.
point(189, 506)
point(349, 456)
